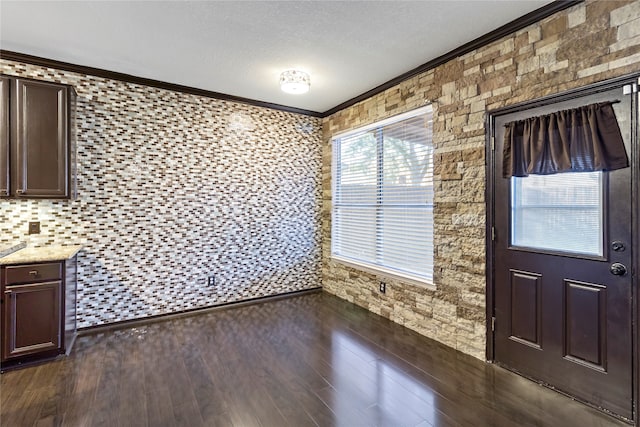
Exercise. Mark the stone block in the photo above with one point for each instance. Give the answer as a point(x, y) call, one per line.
point(554, 26)
point(557, 66)
point(507, 46)
point(477, 127)
point(495, 81)
point(596, 69)
point(478, 106)
point(535, 34)
point(468, 91)
point(577, 16)
point(449, 72)
point(472, 172)
point(528, 65)
point(627, 60)
point(633, 42)
point(472, 298)
point(597, 16)
point(629, 30)
point(624, 14)
point(472, 70)
point(467, 220)
point(526, 50)
point(459, 120)
point(473, 155)
point(449, 157)
point(503, 64)
point(443, 310)
point(477, 113)
point(547, 45)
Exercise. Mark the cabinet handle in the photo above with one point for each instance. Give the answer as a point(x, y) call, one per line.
point(33, 273)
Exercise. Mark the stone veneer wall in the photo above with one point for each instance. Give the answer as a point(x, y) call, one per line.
point(590, 42)
point(175, 187)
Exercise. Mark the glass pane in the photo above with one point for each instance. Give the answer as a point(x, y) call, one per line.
point(354, 233)
point(562, 212)
point(357, 170)
point(407, 239)
point(408, 163)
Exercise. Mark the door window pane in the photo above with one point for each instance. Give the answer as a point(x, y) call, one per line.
point(562, 212)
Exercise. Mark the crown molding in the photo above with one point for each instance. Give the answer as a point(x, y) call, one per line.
point(99, 72)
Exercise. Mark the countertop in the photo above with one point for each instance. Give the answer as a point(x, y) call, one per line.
point(8, 248)
point(43, 254)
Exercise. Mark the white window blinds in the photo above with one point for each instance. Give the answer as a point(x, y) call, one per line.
point(562, 212)
point(382, 214)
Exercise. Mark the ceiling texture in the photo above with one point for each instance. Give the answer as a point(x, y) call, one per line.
point(239, 48)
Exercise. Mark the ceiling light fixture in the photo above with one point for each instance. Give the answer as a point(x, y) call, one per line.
point(295, 82)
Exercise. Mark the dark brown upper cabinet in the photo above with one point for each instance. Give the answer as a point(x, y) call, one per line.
point(37, 139)
point(4, 136)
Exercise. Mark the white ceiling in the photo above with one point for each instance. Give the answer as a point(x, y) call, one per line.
point(239, 48)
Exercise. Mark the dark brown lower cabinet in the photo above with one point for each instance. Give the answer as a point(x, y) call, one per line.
point(32, 318)
point(38, 311)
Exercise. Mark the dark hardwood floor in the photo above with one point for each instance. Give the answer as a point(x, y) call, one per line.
point(311, 360)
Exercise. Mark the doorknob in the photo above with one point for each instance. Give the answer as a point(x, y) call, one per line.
point(618, 269)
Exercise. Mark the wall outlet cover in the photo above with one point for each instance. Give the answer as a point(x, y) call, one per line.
point(34, 227)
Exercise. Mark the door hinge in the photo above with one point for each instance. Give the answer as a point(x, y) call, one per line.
point(493, 324)
point(493, 143)
point(630, 88)
point(493, 234)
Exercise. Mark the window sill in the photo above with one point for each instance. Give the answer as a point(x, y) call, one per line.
point(384, 274)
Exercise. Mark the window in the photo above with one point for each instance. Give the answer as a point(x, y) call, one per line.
point(562, 213)
point(382, 215)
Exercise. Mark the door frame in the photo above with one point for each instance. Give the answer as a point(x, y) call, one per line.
point(635, 213)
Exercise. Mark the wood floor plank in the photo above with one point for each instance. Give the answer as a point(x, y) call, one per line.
point(159, 408)
point(24, 412)
point(132, 405)
point(85, 367)
point(313, 360)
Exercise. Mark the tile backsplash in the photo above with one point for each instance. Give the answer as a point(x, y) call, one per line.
point(174, 188)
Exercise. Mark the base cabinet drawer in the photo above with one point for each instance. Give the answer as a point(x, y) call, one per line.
point(32, 319)
point(15, 275)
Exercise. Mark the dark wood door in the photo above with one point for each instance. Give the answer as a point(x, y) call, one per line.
point(31, 319)
point(4, 136)
point(561, 316)
point(41, 142)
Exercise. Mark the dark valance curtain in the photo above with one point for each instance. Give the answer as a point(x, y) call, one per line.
point(582, 139)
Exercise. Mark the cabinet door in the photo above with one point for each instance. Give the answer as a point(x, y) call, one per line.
point(4, 136)
point(31, 319)
point(41, 140)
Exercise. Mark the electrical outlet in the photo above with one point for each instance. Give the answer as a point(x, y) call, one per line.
point(211, 280)
point(34, 227)
point(383, 287)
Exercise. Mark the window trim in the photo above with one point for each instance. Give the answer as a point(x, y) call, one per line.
point(384, 273)
point(381, 272)
point(384, 122)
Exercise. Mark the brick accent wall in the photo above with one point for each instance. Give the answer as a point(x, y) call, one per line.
point(590, 42)
point(174, 188)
